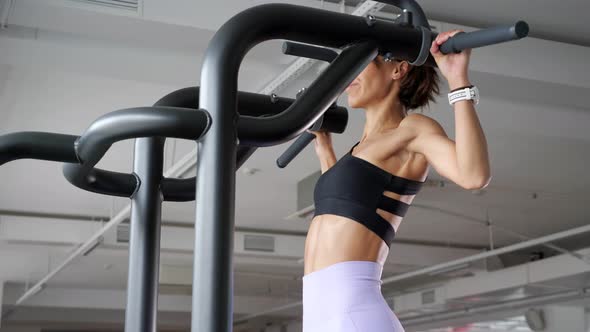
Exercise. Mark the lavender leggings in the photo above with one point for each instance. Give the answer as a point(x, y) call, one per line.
point(346, 297)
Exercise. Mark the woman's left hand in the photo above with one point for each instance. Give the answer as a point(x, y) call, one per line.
point(453, 66)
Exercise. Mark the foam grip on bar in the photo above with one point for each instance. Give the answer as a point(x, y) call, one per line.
point(295, 148)
point(37, 145)
point(308, 51)
point(485, 37)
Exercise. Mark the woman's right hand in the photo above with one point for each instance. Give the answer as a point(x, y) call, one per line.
point(322, 143)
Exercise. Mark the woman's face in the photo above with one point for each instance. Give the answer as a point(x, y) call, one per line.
point(373, 84)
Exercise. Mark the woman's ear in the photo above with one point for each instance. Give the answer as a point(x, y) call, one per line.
point(400, 70)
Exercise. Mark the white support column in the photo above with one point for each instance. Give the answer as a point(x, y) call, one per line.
point(565, 318)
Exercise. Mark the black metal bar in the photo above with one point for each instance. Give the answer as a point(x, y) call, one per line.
point(139, 122)
point(37, 145)
point(179, 190)
point(312, 103)
point(309, 51)
point(485, 37)
point(183, 190)
point(250, 104)
point(144, 243)
point(212, 288)
point(100, 181)
point(124, 185)
point(158, 121)
point(320, 27)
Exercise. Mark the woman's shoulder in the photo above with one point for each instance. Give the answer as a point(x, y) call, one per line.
point(421, 123)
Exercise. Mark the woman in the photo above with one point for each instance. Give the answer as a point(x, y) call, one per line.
point(361, 199)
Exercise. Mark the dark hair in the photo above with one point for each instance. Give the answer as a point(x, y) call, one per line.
point(418, 87)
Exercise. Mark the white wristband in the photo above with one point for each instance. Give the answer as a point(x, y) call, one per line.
point(469, 93)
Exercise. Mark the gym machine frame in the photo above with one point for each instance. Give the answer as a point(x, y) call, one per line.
point(228, 127)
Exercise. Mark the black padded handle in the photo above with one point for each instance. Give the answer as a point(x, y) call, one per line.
point(485, 37)
point(331, 121)
point(292, 151)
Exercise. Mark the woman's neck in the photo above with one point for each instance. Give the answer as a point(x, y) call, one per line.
point(382, 117)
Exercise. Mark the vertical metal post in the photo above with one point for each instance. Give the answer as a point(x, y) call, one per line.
point(144, 242)
point(212, 305)
point(212, 295)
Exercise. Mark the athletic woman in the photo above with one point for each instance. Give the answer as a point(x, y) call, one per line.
point(361, 199)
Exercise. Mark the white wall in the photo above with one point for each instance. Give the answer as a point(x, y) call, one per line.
point(565, 318)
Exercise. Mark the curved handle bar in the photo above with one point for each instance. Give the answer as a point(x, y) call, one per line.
point(139, 122)
point(124, 185)
point(37, 145)
point(100, 181)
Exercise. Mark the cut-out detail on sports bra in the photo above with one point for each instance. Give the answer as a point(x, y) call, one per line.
point(354, 187)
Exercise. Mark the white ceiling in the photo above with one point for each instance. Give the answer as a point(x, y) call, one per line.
point(62, 66)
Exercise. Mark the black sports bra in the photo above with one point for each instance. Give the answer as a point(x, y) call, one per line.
point(353, 188)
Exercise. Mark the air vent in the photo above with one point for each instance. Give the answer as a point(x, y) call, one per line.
point(428, 297)
point(259, 243)
point(123, 4)
point(123, 233)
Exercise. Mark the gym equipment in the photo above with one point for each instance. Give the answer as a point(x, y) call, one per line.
point(228, 127)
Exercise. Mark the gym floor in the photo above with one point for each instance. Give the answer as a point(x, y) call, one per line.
point(65, 63)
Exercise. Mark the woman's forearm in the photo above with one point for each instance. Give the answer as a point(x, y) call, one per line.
point(470, 142)
point(324, 149)
point(327, 160)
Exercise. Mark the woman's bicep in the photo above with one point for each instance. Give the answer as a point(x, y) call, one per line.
point(440, 152)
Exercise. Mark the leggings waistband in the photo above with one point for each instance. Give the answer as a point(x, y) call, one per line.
point(341, 287)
